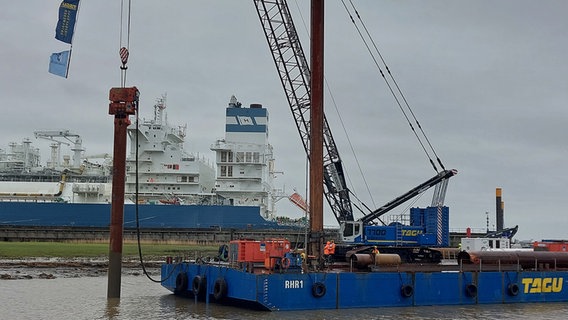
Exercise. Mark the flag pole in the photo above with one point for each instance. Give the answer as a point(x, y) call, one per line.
point(68, 61)
point(72, 37)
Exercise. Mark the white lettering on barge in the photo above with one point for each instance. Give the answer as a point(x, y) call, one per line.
point(293, 284)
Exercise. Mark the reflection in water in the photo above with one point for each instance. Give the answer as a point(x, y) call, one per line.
point(85, 298)
point(112, 307)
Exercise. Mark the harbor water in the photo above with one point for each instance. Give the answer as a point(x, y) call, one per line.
point(85, 298)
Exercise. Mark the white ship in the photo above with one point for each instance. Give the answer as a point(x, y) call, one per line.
point(241, 176)
point(76, 179)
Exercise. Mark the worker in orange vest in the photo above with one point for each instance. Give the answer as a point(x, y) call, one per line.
point(329, 250)
point(375, 250)
point(326, 249)
point(332, 248)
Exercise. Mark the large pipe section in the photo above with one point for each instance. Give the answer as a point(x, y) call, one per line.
point(363, 260)
point(526, 259)
point(316, 128)
point(123, 102)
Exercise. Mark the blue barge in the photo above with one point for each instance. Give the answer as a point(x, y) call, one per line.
point(346, 289)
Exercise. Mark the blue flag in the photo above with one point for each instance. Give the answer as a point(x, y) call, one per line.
point(66, 23)
point(58, 63)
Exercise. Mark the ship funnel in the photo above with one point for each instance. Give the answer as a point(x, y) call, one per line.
point(499, 209)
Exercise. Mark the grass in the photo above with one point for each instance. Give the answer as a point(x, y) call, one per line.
point(71, 250)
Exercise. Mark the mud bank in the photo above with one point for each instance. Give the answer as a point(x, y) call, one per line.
point(51, 268)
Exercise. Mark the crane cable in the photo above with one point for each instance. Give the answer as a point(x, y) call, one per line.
point(124, 53)
point(124, 47)
point(397, 99)
point(137, 203)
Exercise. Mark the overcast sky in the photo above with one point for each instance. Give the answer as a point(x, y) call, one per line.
point(486, 79)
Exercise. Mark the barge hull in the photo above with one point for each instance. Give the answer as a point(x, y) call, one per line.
point(341, 290)
point(51, 214)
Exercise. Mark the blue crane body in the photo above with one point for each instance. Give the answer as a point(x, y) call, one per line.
point(423, 230)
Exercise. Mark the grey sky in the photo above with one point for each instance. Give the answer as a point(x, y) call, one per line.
point(486, 79)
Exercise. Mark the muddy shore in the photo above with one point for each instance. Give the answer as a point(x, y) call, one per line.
point(51, 268)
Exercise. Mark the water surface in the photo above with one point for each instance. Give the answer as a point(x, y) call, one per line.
point(85, 298)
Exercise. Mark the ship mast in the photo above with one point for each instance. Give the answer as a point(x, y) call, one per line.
point(316, 128)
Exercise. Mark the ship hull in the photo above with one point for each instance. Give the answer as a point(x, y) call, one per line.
point(150, 216)
point(341, 290)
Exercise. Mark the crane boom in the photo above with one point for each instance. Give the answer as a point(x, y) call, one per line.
point(294, 73)
point(442, 176)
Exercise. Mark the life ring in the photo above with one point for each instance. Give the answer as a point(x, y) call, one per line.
point(220, 289)
point(285, 263)
point(181, 283)
point(471, 290)
point(318, 289)
point(407, 290)
point(513, 289)
point(198, 285)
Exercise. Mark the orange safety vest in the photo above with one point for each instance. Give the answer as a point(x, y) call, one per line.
point(326, 248)
point(332, 248)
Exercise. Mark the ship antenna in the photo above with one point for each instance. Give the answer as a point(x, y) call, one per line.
point(159, 108)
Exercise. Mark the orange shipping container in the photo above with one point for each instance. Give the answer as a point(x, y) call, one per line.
point(275, 250)
point(258, 251)
point(246, 251)
point(553, 246)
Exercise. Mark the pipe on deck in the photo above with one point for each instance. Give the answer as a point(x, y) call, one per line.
point(526, 259)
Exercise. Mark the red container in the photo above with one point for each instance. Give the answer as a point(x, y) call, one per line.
point(266, 251)
point(246, 251)
point(551, 245)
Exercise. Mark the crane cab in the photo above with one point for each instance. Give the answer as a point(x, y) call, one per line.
point(351, 231)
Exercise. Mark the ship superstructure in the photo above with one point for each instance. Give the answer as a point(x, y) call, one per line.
point(166, 173)
point(24, 178)
point(19, 157)
point(245, 161)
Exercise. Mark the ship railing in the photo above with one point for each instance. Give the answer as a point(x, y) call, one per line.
point(41, 199)
point(507, 265)
point(401, 218)
point(464, 230)
point(96, 188)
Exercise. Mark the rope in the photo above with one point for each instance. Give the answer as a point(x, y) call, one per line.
point(342, 124)
point(124, 54)
point(136, 208)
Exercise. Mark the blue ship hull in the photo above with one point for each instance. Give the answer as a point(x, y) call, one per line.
point(339, 290)
point(151, 216)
